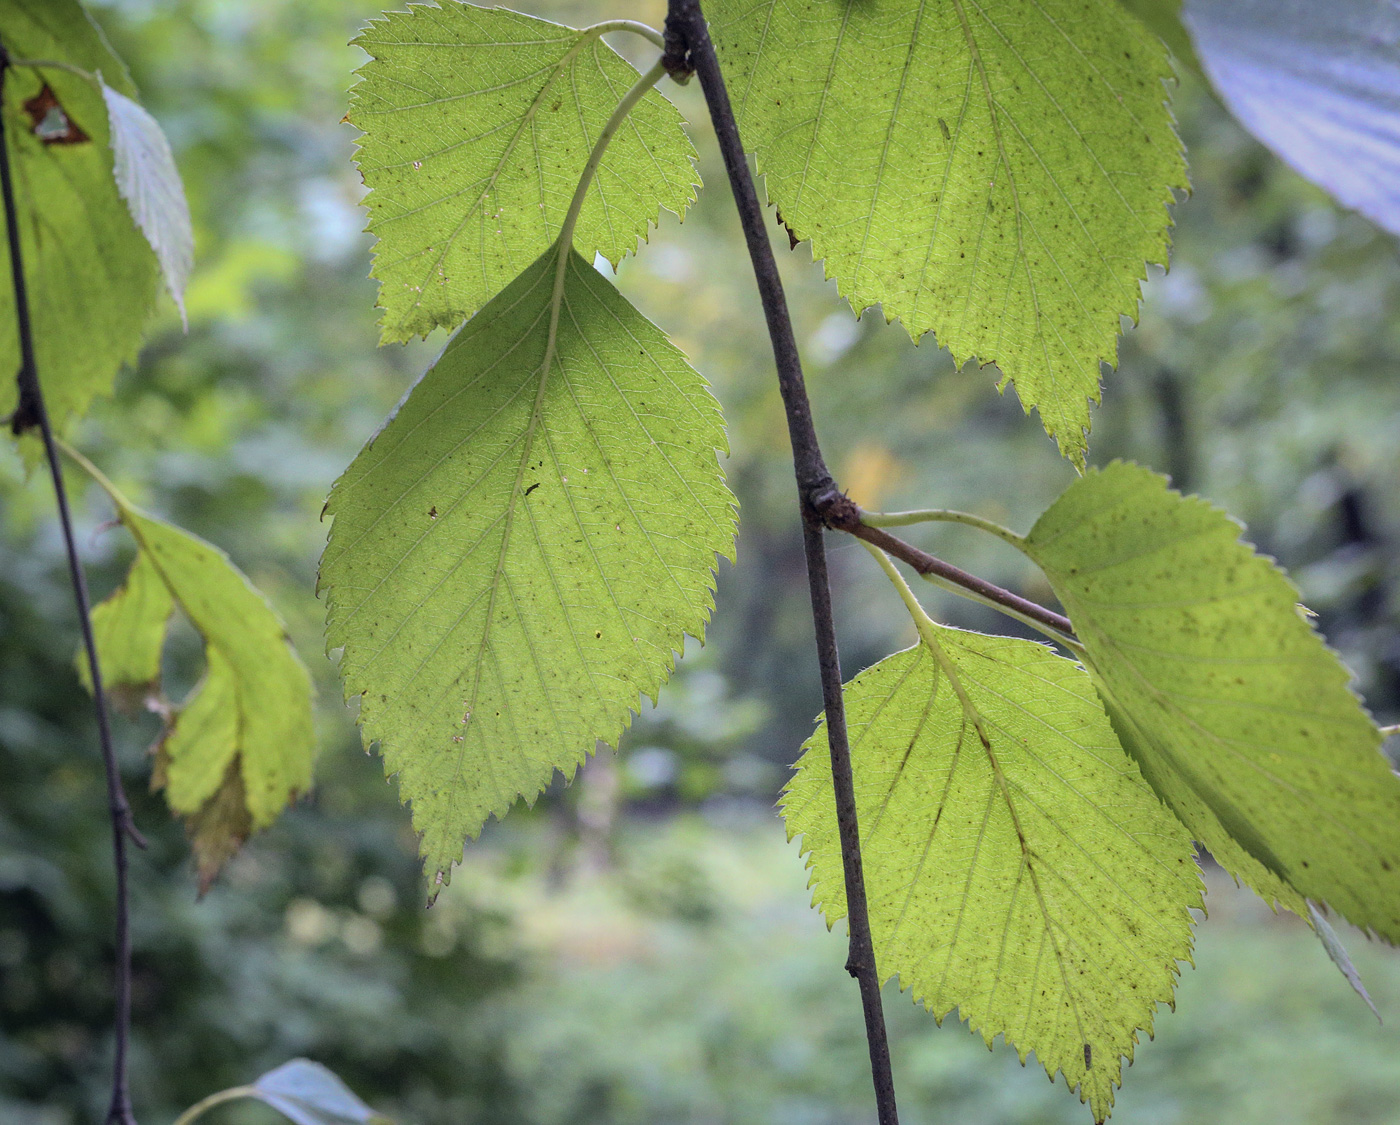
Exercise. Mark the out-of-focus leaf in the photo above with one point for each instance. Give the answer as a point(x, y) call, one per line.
point(1319, 83)
point(1338, 952)
point(91, 277)
point(150, 183)
point(240, 747)
point(309, 1094)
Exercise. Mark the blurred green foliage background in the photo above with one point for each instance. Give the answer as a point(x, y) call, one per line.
point(637, 948)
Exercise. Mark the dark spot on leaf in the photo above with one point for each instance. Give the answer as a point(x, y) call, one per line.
point(51, 124)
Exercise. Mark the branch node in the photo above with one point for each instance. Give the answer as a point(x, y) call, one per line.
point(833, 508)
point(676, 56)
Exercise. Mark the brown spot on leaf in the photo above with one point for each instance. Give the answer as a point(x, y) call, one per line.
point(50, 122)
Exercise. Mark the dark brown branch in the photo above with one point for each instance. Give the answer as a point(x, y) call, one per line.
point(842, 513)
point(688, 49)
point(31, 413)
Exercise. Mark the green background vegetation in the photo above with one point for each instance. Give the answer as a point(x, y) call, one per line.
point(638, 947)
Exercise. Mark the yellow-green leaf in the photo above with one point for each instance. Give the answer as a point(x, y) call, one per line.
point(91, 277)
point(996, 172)
point(517, 555)
point(478, 123)
point(1237, 712)
point(1033, 881)
point(239, 749)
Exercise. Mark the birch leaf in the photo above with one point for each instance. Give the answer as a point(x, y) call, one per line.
point(997, 173)
point(91, 278)
point(239, 749)
point(1033, 882)
point(477, 123)
point(1236, 711)
point(518, 552)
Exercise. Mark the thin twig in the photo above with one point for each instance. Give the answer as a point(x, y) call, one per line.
point(688, 49)
point(31, 413)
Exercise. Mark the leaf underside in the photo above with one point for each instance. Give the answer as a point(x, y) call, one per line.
point(1236, 711)
point(998, 174)
point(516, 555)
point(477, 123)
point(1036, 884)
point(91, 277)
point(1318, 83)
point(239, 748)
point(148, 180)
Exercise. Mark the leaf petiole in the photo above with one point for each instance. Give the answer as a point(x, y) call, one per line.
point(636, 27)
point(117, 496)
point(565, 242)
point(942, 515)
point(917, 611)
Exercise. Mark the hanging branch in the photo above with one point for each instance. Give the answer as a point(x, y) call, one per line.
point(31, 413)
point(688, 49)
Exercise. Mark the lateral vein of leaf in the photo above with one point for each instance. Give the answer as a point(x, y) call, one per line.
point(588, 540)
point(432, 101)
point(427, 531)
point(966, 895)
point(908, 750)
point(993, 112)
point(889, 137)
point(535, 663)
point(743, 100)
point(565, 247)
point(467, 142)
point(1165, 702)
point(937, 817)
point(641, 425)
point(572, 631)
point(955, 137)
point(821, 104)
point(389, 640)
point(1034, 77)
point(972, 715)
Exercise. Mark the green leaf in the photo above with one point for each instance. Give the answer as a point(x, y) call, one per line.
point(518, 552)
point(129, 628)
point(148, 180)
point(240, 747)
point(1237, 713)
point(92, 279)
point(1163, 17)
point(998, 173)
point(1034, 881)
point(478, 123)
